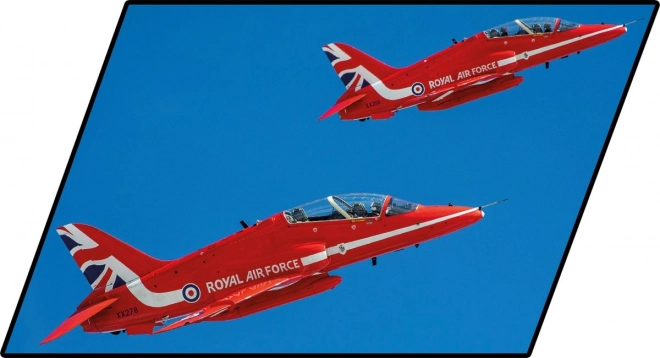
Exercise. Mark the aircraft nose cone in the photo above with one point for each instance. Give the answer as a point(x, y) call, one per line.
point(622, 30)
point(477, 215)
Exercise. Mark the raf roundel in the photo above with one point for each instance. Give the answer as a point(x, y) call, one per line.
point(417, 89)
point(191, 292)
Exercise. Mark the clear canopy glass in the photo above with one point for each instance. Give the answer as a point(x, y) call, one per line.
point(347, 206)
point(398, 206)
point(529, 26)
point(567, 25)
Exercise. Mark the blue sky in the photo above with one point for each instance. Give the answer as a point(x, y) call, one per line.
point(207, 116)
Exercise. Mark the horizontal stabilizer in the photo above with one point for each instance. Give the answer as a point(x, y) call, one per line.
point(78, 318)
point(224, 304)
point(341, 105)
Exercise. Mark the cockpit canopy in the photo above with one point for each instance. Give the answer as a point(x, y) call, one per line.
point(347, 206)
point(530, 26)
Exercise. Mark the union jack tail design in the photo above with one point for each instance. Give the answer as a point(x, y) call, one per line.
point(356, 69)
point(104, 260)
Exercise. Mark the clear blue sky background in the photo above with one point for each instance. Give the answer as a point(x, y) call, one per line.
point(207, 116)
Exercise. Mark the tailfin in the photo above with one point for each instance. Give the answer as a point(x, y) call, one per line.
point(103, 259)
point(348, 62)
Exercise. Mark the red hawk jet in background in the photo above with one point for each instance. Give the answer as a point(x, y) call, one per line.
point(476, 67)
point(281, 259)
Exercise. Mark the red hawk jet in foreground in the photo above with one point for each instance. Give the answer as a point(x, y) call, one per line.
point(476, 67)
point(281, 259)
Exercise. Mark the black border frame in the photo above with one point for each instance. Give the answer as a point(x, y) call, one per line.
point(3, 351)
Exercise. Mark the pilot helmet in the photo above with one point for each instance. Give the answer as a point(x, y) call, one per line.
point(375, 206)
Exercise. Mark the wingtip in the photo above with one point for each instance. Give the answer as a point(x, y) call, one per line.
point(341, 105)
point(53, 336)
point(328, 113)
point(76, 319)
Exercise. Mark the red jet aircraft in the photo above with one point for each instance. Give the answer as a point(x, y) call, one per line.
point(279, 260)
point(476, 67)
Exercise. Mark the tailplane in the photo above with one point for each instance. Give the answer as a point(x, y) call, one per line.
point(77, 318)
point(104, 260)
point(350, 62)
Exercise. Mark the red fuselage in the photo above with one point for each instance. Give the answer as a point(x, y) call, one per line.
point(267, 250)
point(473, 68)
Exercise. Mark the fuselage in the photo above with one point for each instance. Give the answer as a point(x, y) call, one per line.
point(486, 56)
point(276, 246)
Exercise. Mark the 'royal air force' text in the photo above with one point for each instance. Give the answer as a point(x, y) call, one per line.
point(254, 274)
point(441, 81)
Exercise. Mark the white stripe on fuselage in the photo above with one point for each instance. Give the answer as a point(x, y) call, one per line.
point(399, 93)
point(163, 299)
point(311, 259)
point(531, 53)
point(543, 49)
point(154, 299)
point(375, 238)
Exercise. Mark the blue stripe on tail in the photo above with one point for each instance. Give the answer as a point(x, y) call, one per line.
point(331, 57)
point(347, 77)
point(365, 83)
point(92, 272)
point(118, 282)
point(70, 244)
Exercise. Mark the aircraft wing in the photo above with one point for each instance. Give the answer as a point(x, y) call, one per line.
point(208, 311)
point(469, 90)
point(472, 81)
point(225, 303)
point(281, 295)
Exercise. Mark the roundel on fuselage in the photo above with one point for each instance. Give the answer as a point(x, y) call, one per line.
point(191, 293)
point(417, 88)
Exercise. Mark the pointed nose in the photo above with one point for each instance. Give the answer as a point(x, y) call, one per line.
point(618, 31)
point(452, 213)
point(479, 214)
point(622, 30)
point(598, 34)
point(475, 215)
